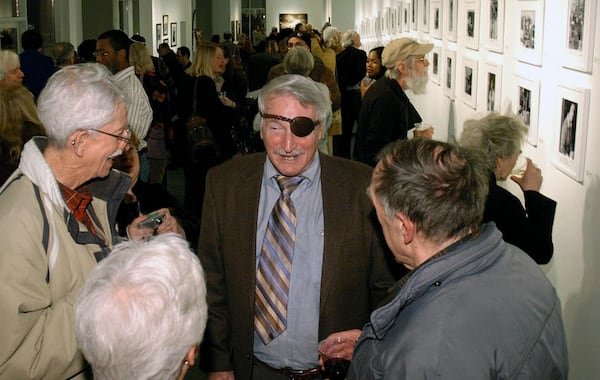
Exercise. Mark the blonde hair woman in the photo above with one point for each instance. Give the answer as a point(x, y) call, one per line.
point(18, 123)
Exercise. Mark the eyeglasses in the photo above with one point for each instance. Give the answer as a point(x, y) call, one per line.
point(100, 53)
point(127, 132)
point(301, 126)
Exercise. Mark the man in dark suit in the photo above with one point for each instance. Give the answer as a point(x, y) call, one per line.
point(340, 270)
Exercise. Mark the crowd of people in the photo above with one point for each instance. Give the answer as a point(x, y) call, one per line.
point(277, 263)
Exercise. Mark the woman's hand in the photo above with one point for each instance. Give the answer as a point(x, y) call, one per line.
point(228, 102)
point(532, 177)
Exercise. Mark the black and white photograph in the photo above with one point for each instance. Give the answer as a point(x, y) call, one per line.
point(405, 16)
point(471, 11)
point(424, 15)
point(435, 64)
point(579, 23)
point(566, 142)
point(435, 24)
point(173, 34)
point(527, 105)
point(528, 29)
point(414, 8)
point(158, 33)
point(165, 25)
point(492, 91)
point(494, 38)
point(450, 15)
point(530, 26)
point(468, 86)
point(449, 73)
point(571, 130)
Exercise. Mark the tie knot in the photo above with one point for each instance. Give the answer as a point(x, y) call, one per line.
point(288, 184)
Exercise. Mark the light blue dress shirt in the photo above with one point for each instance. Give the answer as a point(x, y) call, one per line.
point(297, 347)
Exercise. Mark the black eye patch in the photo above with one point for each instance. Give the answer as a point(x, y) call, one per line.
point(301, 126)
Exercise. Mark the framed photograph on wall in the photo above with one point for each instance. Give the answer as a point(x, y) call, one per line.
point(158, 34)
point(289, 20)
point(468, 81)
point(400, 17)
point(470, 17)
point(173, 34)
point(414, 20)
point(571, 124)
point(492, 87)
point(579, 36)
point(435, 64)
point(526, 103)
point(449, 73)
point(406, 14)
point(494, 35)
point(435, 24)
point(530, 14)
point(424, 15)
point(165, 26)
point(450, 23)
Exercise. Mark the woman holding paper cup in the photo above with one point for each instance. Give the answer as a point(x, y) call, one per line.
point(499, 138)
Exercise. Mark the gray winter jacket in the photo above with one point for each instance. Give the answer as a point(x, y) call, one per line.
point(484, 310)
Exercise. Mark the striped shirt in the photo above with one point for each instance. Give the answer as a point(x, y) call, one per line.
point(139, 113)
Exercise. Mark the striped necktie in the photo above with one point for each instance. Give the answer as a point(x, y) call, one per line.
point(275, 264)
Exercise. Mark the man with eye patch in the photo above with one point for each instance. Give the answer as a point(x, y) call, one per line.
point(339, 270)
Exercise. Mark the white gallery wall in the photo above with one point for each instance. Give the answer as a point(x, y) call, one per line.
point(574, 182)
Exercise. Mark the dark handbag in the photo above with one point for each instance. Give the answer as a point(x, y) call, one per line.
point(200, 136)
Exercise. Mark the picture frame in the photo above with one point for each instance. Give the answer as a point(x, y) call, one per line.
point(406, 14)
point(530, 16)
point(289, 20)
point(572, 108)
point(435, 24)
point(494, 35)
point(470, 20)
point(414, 16)
point(449, 73)
point(173, 34)
point(436, 65)
point(450, 23)
point(158, 32)
point(400, 17)
point(165, 41)
point(165, 25)
point(468, 81)
point(424, 15)
point(491, 95)
point(526, 105)
point(579, 24)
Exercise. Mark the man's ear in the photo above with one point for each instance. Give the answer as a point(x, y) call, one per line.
point(402, 68)
point(77, 141)
point(407, 227)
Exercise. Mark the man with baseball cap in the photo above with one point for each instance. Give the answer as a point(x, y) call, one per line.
point(386, 113)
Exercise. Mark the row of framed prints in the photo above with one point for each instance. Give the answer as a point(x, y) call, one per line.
point(460, 78)
point(470, 22)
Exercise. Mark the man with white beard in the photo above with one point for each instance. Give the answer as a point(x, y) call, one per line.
point(386, 113)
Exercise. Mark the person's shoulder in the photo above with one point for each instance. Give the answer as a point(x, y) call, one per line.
point(345, 167)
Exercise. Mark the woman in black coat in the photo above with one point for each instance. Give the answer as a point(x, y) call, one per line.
point(498, 138)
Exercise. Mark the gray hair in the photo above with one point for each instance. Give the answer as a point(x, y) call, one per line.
point(332, 37)
point(495, 136)
point(142, 309)
point(298, 61)
point(347, 37)
point(440, 187)
point(78, 97)
point(394, 73)
point(62, 52)
point(303, 89)
point(9, 60)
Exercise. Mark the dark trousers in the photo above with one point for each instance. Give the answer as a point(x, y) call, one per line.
point(350, 109)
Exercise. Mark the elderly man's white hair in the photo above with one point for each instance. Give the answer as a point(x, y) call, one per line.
point(142, 310)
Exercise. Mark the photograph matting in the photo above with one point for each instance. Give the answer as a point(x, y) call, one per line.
point(579, 25)
point(470, 23)
point(494, 35)
point(530, 16)
point(527, 101)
